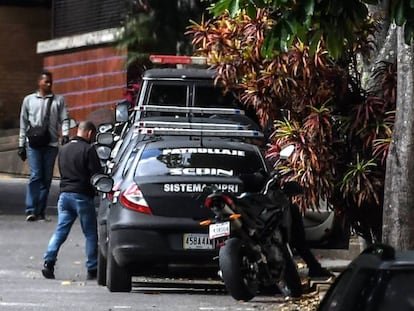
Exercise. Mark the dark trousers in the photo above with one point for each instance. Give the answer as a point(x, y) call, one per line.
point(298, 239)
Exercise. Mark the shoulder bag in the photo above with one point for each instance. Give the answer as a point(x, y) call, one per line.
point(39, 136)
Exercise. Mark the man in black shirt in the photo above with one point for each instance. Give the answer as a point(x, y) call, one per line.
point(78, 162)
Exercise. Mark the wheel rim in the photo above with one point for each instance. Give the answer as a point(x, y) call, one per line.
point(249, 271)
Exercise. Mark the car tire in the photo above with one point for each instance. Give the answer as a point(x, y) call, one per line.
point(118, 279)
point(101, 276)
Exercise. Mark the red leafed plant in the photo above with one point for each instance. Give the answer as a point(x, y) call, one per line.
point(340, 132)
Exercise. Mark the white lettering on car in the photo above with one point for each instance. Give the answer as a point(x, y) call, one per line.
point(230, 152)
point(234, 188)
point(200, 171)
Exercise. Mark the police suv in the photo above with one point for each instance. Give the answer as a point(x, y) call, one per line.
point(152, 218)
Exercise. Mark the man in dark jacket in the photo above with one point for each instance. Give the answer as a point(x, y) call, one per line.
point(78, 162)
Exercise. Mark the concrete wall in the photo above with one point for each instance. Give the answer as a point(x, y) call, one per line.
point(20, 65)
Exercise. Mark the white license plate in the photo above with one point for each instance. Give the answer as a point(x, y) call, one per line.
point(197, 241)
point(219, 230)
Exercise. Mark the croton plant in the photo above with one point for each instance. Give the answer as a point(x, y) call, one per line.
point(341, 132)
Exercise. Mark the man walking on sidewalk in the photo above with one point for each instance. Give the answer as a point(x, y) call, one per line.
point(41, 110)
point(78, 162)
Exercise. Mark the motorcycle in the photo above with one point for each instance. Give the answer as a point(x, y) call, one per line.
point(252, 233)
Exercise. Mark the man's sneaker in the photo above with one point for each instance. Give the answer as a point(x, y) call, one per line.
point(48, 270)
point(30, 216)
point(91, 274)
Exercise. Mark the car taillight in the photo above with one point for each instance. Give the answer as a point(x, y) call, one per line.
point(133, 199)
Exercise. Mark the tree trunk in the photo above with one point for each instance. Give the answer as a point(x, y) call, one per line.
point(398, 210)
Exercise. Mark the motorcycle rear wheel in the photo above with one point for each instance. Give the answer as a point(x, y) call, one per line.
point(239, 275)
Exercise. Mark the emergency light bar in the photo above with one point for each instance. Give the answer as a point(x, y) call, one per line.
point(190, 125)
point(198, 132)
point(178, 59)
point(154, 108)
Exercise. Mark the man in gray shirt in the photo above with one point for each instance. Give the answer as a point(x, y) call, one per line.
point(41, 159)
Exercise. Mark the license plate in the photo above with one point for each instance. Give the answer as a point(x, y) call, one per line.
point(197, 241)
point(219, 230)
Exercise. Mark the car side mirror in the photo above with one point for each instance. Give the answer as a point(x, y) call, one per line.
point(105, 139)
point(102, 183)
point(122, 111)
point(104, 152)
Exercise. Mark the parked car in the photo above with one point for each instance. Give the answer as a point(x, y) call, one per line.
point(127, 150)
point(379, 279)
point(153, 224)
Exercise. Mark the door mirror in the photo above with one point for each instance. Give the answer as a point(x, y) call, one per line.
point(104, 152)
point(122, 111)
point(105, 139)
point(102, 183)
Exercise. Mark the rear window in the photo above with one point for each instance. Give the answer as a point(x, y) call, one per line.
point(205, 95)
point(213, 97)
point(167, 95)
point(198, 161)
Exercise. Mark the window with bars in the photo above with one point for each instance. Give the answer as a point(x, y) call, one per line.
point(71, 17)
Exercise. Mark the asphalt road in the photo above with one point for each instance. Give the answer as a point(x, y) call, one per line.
point(22, 286)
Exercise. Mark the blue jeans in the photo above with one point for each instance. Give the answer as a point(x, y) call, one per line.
point(42, 163)
point(70, 206)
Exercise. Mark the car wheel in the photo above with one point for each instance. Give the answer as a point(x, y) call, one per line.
point(101, 277)
point(118, 279)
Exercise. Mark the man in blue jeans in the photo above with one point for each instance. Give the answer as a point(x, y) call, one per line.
point(78, 162)
point(41, 159)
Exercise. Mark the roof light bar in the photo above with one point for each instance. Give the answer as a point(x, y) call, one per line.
point(191, 125)
point(198, 132)
point(154, 108)
point(178, 59)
